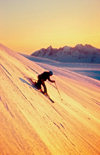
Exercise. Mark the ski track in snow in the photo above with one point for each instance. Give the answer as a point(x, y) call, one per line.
point(31, 124)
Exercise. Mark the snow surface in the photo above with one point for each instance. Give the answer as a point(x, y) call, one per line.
point(88, 69)
point(31, 124)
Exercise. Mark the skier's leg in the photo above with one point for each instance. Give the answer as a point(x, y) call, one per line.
point(38, 84)
point(44, 86)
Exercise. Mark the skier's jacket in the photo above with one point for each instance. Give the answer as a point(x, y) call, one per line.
point(45, 76)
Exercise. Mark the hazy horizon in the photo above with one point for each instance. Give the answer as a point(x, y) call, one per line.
point(31, 25)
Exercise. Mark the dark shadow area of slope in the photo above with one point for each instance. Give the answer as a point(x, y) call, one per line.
point(92, 74)
point(24, 81)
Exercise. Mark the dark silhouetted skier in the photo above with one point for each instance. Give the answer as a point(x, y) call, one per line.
point(41, 81)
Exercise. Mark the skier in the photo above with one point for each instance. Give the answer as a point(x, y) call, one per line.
point(41, 81)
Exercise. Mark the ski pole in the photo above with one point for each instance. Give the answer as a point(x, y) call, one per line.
point(58, 92)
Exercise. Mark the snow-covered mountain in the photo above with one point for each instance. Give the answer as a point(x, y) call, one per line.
point(31, 124)
point(79, 53)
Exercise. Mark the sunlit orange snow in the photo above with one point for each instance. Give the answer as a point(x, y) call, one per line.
point(31, 124)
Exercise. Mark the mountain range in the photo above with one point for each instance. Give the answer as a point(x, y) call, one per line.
point(80, 53)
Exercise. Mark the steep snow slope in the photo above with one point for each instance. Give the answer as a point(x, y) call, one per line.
point(31, 124)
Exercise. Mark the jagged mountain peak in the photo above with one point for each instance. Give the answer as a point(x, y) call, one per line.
point(79, 53)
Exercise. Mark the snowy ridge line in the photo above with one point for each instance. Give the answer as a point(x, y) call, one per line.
point(79, 53)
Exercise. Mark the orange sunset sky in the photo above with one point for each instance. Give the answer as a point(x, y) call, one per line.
point(28, 25)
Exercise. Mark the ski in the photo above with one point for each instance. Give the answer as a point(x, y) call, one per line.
point(48, 97)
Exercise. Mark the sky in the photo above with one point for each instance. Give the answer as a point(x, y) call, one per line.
point(28, 25)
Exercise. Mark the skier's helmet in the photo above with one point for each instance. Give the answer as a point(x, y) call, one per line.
point(51, 73)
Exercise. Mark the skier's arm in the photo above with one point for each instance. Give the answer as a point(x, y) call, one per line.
point(51, 80)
